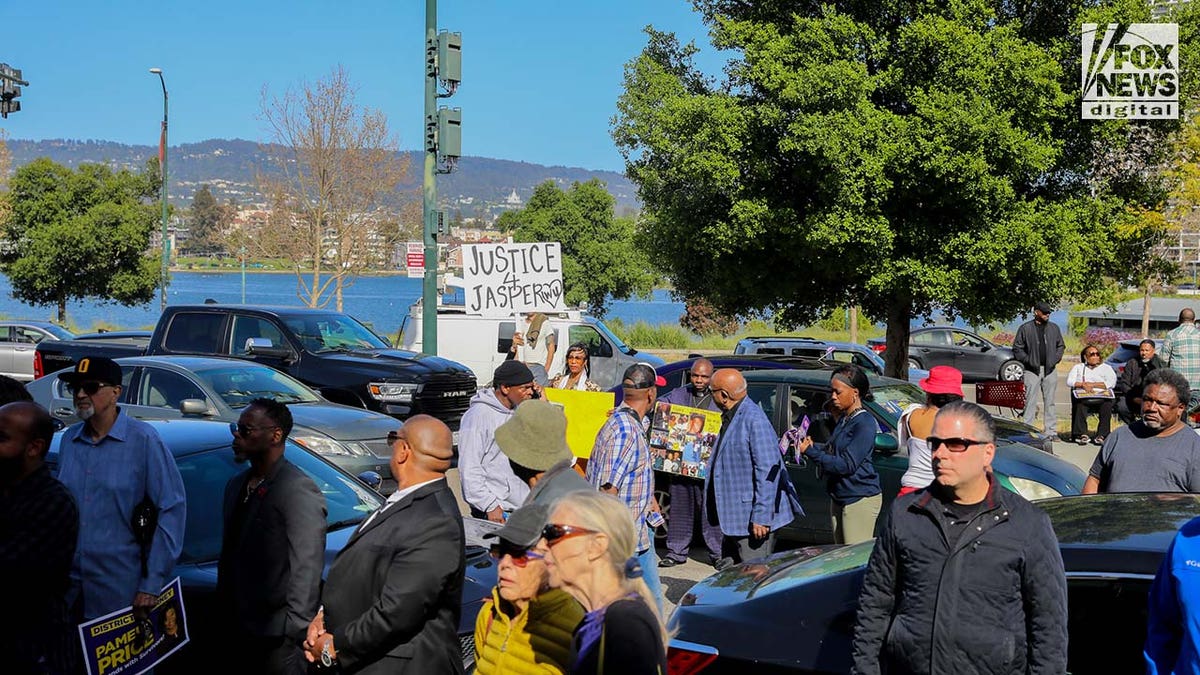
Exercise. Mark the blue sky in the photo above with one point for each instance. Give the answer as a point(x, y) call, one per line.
point(540, 77)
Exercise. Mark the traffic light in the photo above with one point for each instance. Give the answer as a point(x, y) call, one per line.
point(9, 79)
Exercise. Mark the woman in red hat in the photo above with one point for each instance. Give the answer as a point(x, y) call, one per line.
point(943, 385)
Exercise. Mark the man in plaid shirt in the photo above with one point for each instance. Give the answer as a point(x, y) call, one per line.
point(1181, 350)
point(621, 465)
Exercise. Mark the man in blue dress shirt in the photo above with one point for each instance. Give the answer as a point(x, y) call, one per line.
point(111, 462)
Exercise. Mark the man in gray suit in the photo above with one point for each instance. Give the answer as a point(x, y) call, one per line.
point(393, 598)
point(273, 549)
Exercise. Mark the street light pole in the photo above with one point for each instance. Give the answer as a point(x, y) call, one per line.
point(162, 166)
point(429, 327)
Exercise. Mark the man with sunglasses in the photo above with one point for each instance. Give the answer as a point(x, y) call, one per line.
point(112, 463)
point(273, 546)
point(966, 576)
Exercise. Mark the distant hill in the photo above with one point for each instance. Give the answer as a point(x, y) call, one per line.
point(479, 186)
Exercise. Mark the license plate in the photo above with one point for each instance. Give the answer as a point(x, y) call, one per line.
point(454, 435)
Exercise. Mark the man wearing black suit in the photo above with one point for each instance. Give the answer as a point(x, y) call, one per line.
point(393, 597)
point(273, 550)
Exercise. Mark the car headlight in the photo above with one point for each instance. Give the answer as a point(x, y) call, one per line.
point(1033, 490)
point(393, 391)
point(328, 447)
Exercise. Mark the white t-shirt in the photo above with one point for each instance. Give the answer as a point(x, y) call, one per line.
point(540, 349)
point(1101, 373)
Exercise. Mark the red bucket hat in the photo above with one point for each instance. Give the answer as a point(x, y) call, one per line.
point(943, 380)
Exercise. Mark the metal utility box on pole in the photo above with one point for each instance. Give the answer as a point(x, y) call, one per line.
point(443, 141)
point(9, 91)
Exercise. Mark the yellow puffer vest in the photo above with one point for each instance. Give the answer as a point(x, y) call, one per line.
point(536, 641)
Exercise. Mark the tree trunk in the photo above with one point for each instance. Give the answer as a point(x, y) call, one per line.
point(337, 292)
point(1146, 310)
point(314, 291)
point(899, 318)
point(62, 311)
point(854, 323)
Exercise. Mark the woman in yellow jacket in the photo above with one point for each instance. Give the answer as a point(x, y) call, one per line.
point(526, 627)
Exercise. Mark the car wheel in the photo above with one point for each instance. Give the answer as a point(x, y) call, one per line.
point(914, 364)
point(664, 505)
point(1012, 371)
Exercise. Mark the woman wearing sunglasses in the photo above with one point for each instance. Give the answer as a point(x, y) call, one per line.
point(1091, 383)
point(527, 626)
point(850, 475)
point(579, 368)
point(589, 550)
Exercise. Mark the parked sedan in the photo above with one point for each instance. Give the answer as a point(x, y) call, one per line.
point(827, 350)
point(794, 612)
point(204, 455)
point(978, 358)
point(172, 387)
point(17, 342)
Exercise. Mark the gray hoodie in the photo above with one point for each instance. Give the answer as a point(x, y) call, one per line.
point(487, 479)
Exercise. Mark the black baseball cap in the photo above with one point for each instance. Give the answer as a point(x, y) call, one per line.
point(642, 376)
point(1043, 307)
point(524, 526)
point(93, 368)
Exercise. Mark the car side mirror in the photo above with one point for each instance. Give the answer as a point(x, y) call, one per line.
point(193, 406)
point(259, 346)
point(372, 479)
point(886, 444)
point(985, 348)
point(602, 350)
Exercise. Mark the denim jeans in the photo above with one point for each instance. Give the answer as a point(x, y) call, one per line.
point(649, 562)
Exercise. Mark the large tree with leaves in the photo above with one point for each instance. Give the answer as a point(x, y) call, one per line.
point(601, 255)
point(82, 234)
point(907, 156)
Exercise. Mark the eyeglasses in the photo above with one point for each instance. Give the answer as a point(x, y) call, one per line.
point(393, 436)
point(519, 554)
point(88, 388)
point(953, 444)
point(555, 533)
point(1092, 354)
point(245, 429)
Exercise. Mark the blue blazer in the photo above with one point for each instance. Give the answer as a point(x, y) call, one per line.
point(748, 477)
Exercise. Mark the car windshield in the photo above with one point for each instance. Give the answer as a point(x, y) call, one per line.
point(239, 385)
point(206, 473)
point(333, 333)
point(58, 332)
point(894, 398)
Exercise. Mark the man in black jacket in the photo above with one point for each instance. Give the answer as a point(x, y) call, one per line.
point(1133, 381)
point(1039, 347)
point(394, 593)
point(273, 550)
point(967, 576)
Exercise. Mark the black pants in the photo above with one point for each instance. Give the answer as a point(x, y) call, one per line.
point(1079, 413)
point(742, 549)
point(1128, 411)
point(266, 656)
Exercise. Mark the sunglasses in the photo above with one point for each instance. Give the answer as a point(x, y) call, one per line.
point(1092, 354)
point(393, 436)
point(89, 388)
point(953, 444)
point(520, 555)
point(555, 533)
point(245, 429)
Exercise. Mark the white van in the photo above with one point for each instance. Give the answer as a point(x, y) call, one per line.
point(482, 343)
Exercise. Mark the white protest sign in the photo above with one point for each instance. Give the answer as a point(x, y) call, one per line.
point(499, 279)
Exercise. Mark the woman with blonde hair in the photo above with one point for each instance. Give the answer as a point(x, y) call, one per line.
point(588, 546)
point(526, 627)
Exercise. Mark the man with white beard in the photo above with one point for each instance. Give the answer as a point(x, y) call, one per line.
point(115, 467)
point(1160, 452)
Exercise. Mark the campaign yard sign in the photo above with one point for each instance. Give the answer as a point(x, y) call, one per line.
point(119, 643)
point(500, 279)
point(682, 439)
point(1130, 71)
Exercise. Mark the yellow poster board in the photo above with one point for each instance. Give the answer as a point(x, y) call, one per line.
point(586, 412)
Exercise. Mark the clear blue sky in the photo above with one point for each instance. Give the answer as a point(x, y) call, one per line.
point(540, 77)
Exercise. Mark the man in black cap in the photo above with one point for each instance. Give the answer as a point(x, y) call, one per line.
point(488, 484)
point(535, 441)
point(115, 465)
point(1039, 347)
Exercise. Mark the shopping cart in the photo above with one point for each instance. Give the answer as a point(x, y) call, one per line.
point(1001, 394)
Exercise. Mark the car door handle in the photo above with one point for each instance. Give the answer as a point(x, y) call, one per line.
point(924, 350)
point(22, 349)
point(63, 412)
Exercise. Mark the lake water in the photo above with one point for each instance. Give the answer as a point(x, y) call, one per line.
point(382, 302)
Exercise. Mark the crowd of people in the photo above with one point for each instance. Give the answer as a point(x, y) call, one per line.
point(964, 576)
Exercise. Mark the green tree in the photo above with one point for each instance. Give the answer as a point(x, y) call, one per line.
point(83, 234)
point(908, 157)
point(602, 258)
point(206, 222)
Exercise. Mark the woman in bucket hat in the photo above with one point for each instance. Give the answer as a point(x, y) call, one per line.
point(943, 385)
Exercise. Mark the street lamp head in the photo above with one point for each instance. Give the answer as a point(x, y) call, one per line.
point(156, 71)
